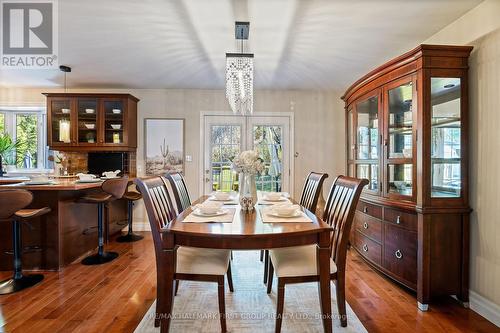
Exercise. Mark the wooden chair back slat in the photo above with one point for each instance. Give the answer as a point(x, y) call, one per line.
point(158, 204)
point(339, 214)
point(180, 190)
point(311, 190)
point(13, 200)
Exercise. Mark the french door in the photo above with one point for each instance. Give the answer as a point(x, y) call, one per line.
point(226, 136)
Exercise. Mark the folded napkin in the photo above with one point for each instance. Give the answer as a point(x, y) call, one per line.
point(266, 218)
point(226, 218)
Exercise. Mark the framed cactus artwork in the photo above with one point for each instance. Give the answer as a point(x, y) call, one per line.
point(164, 145)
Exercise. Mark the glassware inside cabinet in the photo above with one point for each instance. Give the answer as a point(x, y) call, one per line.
point(368, 129)
point(401, 121)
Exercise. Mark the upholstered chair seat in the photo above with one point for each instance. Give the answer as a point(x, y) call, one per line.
point(191, 260)
point(297, 261)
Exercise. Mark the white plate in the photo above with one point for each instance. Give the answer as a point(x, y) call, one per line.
point(221, 212)
point(274, 200)
point(39, 182)
point(231, 198)
point(275, 214)
point(105, 178)
point(88, 181)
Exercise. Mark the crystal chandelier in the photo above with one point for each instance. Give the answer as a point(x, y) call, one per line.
point(239, 75)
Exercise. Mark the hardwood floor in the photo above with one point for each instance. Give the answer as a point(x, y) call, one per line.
point(114, 298)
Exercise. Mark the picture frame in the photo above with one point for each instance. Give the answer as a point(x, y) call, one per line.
point(163, 145)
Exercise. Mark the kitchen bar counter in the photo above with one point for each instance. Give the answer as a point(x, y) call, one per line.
point(59, 185)
point(65, 234)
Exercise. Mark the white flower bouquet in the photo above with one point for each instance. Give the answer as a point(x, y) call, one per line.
point(248, 162)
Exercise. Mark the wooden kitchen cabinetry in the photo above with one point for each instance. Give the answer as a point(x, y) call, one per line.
point(91, 122)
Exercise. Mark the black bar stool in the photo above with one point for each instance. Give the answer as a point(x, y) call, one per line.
point(111, 189)
point(14, 203)
point(130, 196)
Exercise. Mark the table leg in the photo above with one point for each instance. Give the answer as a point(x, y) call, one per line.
point(165, 288)
point(323, 264)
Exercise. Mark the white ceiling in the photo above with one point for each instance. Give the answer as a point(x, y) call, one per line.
point(298, 44)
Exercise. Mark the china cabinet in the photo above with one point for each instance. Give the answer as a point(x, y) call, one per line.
point(91, 122)
point(407, 133)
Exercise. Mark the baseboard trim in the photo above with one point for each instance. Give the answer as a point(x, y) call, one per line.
point(142, 226)
point(484, 307)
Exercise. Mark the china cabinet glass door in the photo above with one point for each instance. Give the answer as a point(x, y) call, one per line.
point(367, 141)
point(446, 178)
point(61, 117)
point(399, 138)
point(114, 121)
point(351, 148)
point(87, 121)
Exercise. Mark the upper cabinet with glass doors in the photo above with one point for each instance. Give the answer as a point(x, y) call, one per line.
point(92, 122)
point(406, 128)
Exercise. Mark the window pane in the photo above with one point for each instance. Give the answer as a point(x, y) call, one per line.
point(2, 122)
point(400, 178)
point(446, 137)
point(400, 121)
point(225, 145)
point(27, 135)
point(267, 140)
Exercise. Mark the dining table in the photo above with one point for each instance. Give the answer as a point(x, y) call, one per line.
point(246, 231)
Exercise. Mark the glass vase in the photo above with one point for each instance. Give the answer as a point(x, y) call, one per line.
point(248, 191)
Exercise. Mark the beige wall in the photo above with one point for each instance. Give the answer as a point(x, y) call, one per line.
point(481, 28)
point(319, 124)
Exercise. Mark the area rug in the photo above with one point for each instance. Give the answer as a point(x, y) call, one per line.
point(249, 308)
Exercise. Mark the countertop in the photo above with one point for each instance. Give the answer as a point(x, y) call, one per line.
point(12, 180)
point(59, 185)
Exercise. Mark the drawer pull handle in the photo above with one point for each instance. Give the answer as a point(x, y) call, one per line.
point(398, 254)
point(365, 209)
point(365, 225)
point(365, 248)
point(398, 219)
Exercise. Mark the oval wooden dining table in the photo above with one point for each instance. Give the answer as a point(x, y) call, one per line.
point(246, 232)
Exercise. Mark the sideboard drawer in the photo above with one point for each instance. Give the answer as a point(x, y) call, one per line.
point(400, 253)
point(368, 248)
point(401, 218)
point(368, 226)
point(372, 210)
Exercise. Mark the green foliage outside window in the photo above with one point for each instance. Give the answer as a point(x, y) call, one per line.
point(27, 136)
point(2, 123)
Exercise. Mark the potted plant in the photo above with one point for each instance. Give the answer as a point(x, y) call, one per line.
point(7, 152)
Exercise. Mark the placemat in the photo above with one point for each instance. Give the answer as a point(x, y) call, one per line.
point(266, 218)
point(226, 218)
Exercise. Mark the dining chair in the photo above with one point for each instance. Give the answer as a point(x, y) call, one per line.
point(298, 264)
point(308, 199)
point(192, 264)
point(181, 194)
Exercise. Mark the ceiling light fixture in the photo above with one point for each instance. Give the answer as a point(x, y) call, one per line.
point(239, 74)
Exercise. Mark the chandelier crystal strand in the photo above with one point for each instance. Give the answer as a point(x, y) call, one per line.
point(239, 82)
